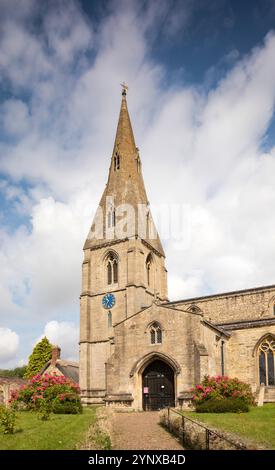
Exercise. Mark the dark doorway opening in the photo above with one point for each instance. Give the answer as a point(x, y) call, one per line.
point(158, 389)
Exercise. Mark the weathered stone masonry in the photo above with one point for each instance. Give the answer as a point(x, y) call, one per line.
point(213, 334)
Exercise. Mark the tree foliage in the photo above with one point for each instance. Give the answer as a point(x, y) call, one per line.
point(41, 354)
point(17, 372)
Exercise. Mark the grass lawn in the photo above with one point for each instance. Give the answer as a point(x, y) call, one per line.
point(58, 433)
point(258, 425)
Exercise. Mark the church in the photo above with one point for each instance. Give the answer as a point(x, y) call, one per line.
point(138, 349)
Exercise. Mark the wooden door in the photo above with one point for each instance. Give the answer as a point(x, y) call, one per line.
point(158, 386)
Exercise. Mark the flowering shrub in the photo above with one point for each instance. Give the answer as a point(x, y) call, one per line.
point(7, 419)
point(220, 387)
point(43, 393)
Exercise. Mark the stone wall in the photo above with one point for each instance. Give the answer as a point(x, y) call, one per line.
point(199, 436)
point(7, 385)
point(241, 358)
point(252, 304)
point(132, 294)
point(133, 351)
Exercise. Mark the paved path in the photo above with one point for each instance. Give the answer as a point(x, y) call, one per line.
point(140, 431)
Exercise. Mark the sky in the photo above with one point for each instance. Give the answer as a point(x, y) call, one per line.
point(201, 77)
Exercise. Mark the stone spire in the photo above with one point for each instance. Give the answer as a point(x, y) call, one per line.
point(124, 189)
point(124, 141)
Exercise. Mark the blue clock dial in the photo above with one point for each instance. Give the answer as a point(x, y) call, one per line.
point(108, 301)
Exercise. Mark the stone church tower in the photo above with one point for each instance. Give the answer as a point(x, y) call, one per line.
point(123, 255)
point(137, 349)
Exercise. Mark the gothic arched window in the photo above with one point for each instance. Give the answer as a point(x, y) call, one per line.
point(109, 272)
point(149, 269)
point(266, 354)
point(155, 333)
point(115, 271)
point(112, 269)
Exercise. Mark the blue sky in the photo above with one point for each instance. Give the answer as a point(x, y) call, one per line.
point(201, 78)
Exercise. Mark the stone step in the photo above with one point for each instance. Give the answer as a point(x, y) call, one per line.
point(269, 395)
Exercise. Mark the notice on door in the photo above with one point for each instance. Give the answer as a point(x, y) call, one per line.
point(146, 390)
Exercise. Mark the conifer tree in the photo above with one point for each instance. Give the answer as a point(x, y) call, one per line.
point(42, 353)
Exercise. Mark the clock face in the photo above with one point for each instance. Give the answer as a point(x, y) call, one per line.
point(108, 301)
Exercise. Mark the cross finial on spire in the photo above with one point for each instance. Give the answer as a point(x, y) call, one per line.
point(124, 88)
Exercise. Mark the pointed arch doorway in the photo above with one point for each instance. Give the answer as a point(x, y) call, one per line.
point(158, 386)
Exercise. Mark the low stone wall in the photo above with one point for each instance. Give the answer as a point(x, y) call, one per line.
point(7, 385)
point(119, 401)
point(199, 436)
point(99, 434)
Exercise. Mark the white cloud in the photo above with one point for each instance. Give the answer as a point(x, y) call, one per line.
point(15, 117)
point(215, 161)
point(65, 335)
point(22, 59)
point(65, 37)
point(41, 269)
point(200, 148)
point(9, 343)
point(183, 288)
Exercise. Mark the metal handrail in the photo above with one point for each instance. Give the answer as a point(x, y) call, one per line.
point(207, 430)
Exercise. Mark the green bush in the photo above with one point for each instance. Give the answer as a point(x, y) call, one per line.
point(223, 405)
point(67, 403)
point(7, 419)
point(69, 408)
point(222, 387)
